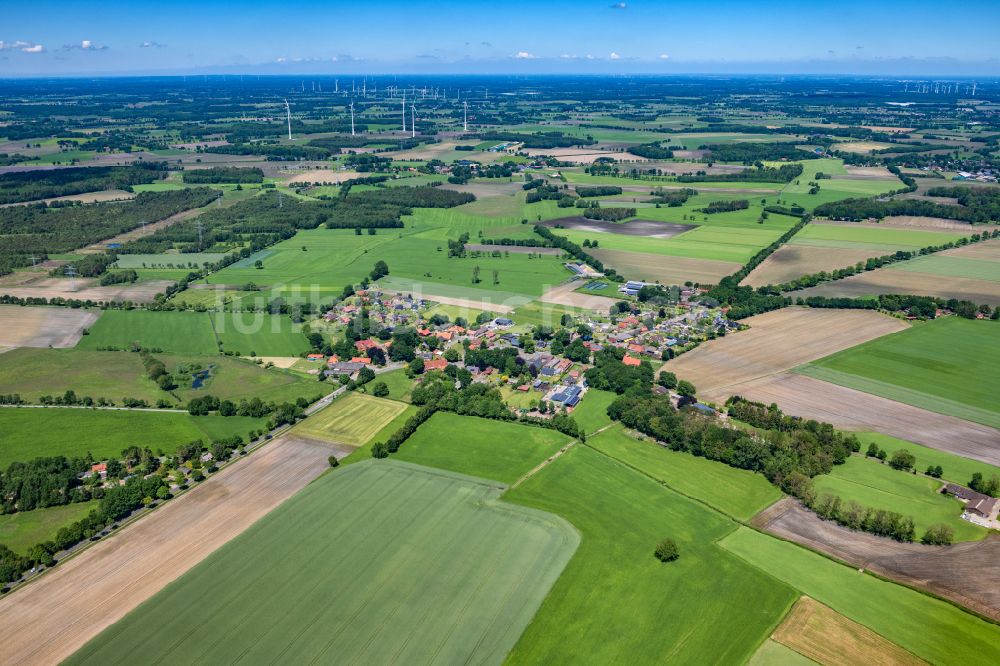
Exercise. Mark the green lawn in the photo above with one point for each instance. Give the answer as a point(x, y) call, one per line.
point(399, 384)
point(956, 468)
point(871, 483)
point(736, 492)
point(616, 603)
point(259, 334)
point(773, 653)
point(951, 266)
point(351, 419)
point(866, 236)
point(592, 412)
point(188, 332)
point(24, 529)
point(380, 562)
point(30, 433)
point(947, 365)
point(364, 452)
point(933, 630)
point(480, 447)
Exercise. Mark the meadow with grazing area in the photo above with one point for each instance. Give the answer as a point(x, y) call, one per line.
point(956, 469)
point(438, 571)
point(480, 447)
point(592, 412)
point(616, 602)
point(31, 433)
point(21, 530)
point(947, 365)
point(934, 630)
point(32, 373)
point(874, 484)
point(736, 492)
point(259, 334)
point(416, 255)
point(352, 419)
point(172, 331)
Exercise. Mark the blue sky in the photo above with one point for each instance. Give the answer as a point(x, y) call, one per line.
point(181, 36)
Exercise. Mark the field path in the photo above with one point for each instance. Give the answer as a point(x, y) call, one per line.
point(47, 621)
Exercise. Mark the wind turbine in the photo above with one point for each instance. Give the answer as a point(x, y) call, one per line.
point(413, 121)
point(352, 118)
point(404, 112)
point(465, 120)
point(288, 113)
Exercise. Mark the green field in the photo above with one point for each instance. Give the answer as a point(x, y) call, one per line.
point(375, 563)
point(592, 412)
point(32, 373)
point(736, 492)
point(480, 447)
point(931, 629)
point(616, 603)
point(773, 653)
point(947, 365)
point(951, 266)
point(166, 260)
point(398, 383)
point(24, 529)
point(873, 484)
point(188, 332)
point(417, 257)
point(259, 334)
point(956, 468)
point(885, 240)
point(29, 433)
point(351, 419)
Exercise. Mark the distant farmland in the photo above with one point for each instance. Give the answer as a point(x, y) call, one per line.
point(380, 562)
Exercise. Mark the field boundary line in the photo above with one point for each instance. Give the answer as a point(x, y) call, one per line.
point(542, 465)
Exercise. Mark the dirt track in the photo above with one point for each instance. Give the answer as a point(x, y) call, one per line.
point(854, 410)
point(566, 294)
point(42, 327)
point(53, 617)
point(967, 573)
point(778, 341)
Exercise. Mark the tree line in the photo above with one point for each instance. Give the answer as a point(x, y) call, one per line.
point(30, 185)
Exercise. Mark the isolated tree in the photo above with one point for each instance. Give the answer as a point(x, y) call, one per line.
point(380, 390)
point(902, 460)
point(666, 551)
point(496, 277)
point(475, 275)
point(333, 461)
point(380, 450)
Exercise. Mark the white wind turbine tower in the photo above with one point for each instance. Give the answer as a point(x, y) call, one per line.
point(404, 112)
point(288, 115)
point(352, 117)
point(465, 120)
point(413, 120)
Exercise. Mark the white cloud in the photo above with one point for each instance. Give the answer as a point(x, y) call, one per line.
point(21, 45)
point(524, 55)
point(85, 45)
point(619, 5)
point(152, 45)
point(614, 56)
point(282, 59)
point(663, 56)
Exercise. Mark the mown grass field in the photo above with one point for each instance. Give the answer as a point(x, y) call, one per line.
point(32, 373)
point(871, 483)
point(931, 629)
point(592, 412)
point(948, 365)
point(738, 493)
point(29, 433)
point(956, 468)
point(24, 529)
point(351, 419)
point(617, 603)
point(259, 334)
point(884, 240)
point(187, 332)
point(375, 563)
point(480, 447)
point(398, 383)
